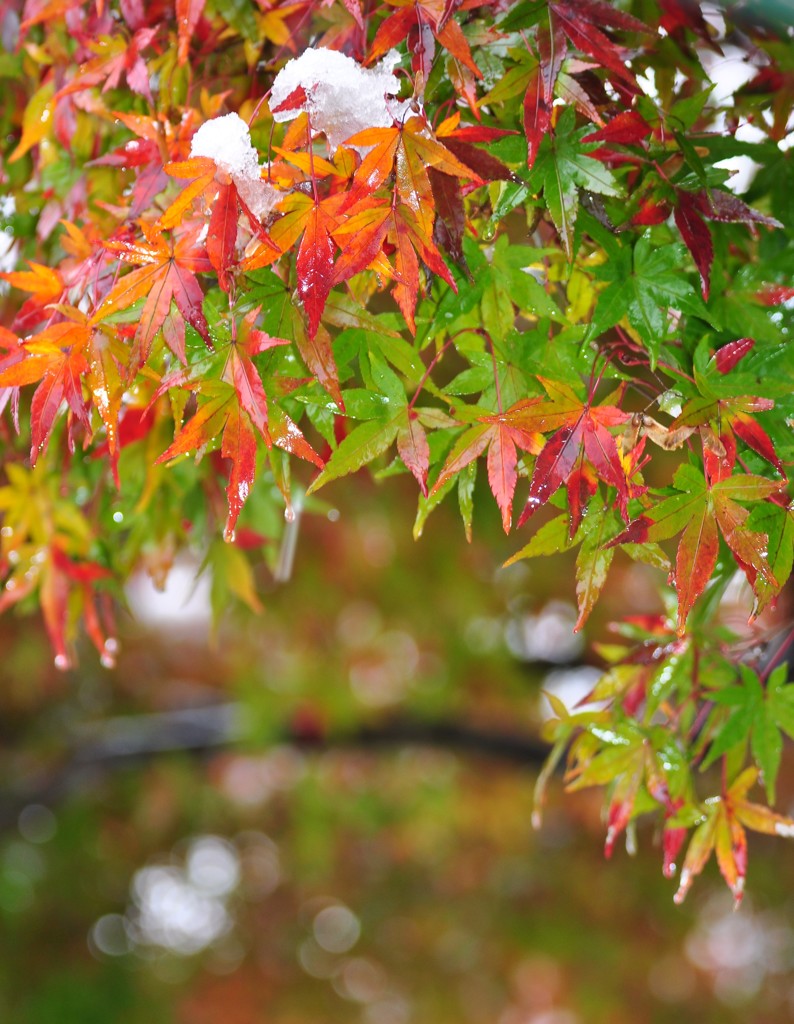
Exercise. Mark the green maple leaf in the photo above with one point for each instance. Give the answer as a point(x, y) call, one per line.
point(758, 713)
point(562, 168)
point(391, 420)
point(645, 283)
point(778, 524)
point(507, 283)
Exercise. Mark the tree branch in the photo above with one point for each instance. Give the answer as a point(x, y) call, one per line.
point(125, 741)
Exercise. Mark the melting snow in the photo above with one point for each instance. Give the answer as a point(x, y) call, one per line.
point(342, 97)
point(227, 141)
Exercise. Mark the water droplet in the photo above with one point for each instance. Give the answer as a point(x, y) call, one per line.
point(289, 514)
point(488, 232)
point(61, 662)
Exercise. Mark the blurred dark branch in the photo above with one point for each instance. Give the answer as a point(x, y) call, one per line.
point(200, 732)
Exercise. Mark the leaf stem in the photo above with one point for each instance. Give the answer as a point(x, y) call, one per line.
point(771, 665)
point(497, 386)
point(430, 369)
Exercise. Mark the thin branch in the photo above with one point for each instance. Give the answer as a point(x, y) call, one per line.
point(134, 740)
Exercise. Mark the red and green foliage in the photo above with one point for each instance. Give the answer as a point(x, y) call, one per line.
point(538, 265)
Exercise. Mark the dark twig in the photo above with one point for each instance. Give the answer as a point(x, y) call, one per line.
point(132, 740)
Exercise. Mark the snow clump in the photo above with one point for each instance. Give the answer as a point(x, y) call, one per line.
point(342, 97)
point(227, 141)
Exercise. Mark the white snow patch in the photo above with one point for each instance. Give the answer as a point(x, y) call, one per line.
point(342, 97)
point(227, 141)
point(9, 249)
point(9, 252)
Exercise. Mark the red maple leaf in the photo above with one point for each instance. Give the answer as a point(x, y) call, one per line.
point(115, 56)
point(236, 407)
point(580, 446)
point(166, 271)
point(422, 22)
point(503, 434)
point(56, 360)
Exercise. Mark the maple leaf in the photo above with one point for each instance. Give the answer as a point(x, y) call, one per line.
point(756, 712)
point(201, 173)
point(56, 360)
point(221, 413)
point(681, 14)
point(362, 236)
point(450, 222)
point(236, 408)
point(420, 21)
point(315, 220)
point(581, 442)
point(582, 22)
point(361, 223)
point(314, 262)
point(166, 271)
point(115, 56)
point(37, 120)
point(723, 832)
point(45, 285)
point(62, 575)
point(461, 141)
point(690, 214)
point(272, 422)
point(715, 204)
point(49, 538)
point(503, 434)
point(622, 754)
point(729, 416)
point(145, 154)
point(777, 522)
point(696, 235)
point(731, 354)
point(407, 149)
point(703, 510)
point(414, 449)
point(539, 97)
point(645, 282)
point(222, 233)
point(627, 128)
point(562, 169)
point(13, 351)
point(188, 13)
point(395, 420)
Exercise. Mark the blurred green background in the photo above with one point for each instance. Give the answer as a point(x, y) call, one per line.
point(234, 825)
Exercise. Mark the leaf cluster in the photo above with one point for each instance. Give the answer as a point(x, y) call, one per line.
point(527, 253)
